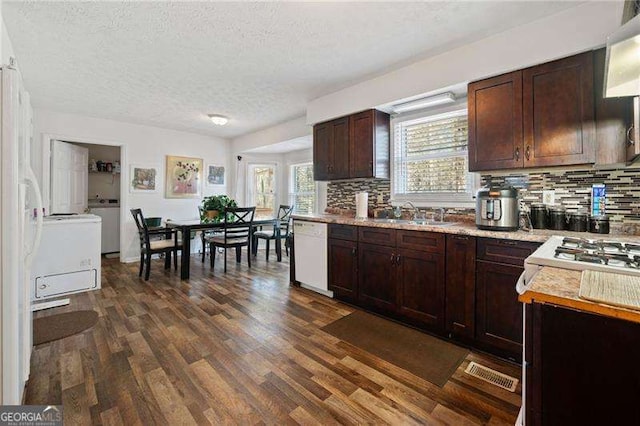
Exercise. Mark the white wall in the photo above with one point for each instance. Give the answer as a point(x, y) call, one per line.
point(286, 131)
point(142, 145)
point(572, 31)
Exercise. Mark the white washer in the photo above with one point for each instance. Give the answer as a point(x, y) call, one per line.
point(310, 239)
point(68, 260)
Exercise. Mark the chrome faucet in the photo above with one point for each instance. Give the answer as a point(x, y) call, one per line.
point(442, 211)
point(415, 209)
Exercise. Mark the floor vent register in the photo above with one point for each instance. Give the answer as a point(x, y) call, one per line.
point(492, 376)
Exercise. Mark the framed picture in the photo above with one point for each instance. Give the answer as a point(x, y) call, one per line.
point(143, 179)
point(215, 175)
point(183, 177)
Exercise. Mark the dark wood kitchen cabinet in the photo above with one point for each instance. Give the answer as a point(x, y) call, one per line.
point(460, 286)
point(402, 275)
point(580, 368)
point(536, 117)
point(343, 261)
point(369, 144)
point(498, 321)
point(613, 117)
point(495, 123)
point(377, 289)
point(420, 284)
point(343, 269)
point(331, 150)
point(558, 112)
point(354, 146)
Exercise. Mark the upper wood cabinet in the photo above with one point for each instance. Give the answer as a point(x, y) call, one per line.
point(331, 149)
point(547, 115)
point(495, 123)
point(613, 117)
point(558, 114)
point(355, 146)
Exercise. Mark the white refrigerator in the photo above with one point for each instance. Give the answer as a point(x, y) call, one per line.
point(19, 234)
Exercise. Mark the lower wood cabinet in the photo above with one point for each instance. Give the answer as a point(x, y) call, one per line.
point(454, 285)
point(420, 284)
point(498, 311)
point(580, 368)
point(460, 286)
point(343, 269)
point(377, 287)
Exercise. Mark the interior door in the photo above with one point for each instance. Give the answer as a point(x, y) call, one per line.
point(261, 189)
point(69, 177)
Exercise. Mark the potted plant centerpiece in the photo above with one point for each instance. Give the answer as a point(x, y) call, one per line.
point(212, 207)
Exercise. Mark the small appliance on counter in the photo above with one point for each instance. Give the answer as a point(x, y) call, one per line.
point(497, 208)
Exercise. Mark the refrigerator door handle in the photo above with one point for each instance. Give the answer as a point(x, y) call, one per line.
point(31, 180)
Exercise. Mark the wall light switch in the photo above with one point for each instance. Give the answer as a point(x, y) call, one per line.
point(549, 196)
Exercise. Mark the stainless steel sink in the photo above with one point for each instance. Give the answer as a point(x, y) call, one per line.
point(415, 222)
point(392, 221)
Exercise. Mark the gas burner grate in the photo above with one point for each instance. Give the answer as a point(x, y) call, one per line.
point(619, 260)
point(591, 258)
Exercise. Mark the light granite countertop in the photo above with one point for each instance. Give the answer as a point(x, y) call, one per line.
point(461, 228)
point(561, 286)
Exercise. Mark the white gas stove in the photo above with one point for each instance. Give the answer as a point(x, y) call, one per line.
point(578, 254)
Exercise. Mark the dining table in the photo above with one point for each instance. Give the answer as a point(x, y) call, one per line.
point(186, 226)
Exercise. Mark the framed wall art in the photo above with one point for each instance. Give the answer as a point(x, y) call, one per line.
point(183, 177)
point(215, 175)
point(143, 179)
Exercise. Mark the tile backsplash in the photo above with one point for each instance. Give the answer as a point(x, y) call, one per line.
point(572, 189)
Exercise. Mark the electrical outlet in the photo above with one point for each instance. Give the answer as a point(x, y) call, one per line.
point(380, 199)
point(549, 197)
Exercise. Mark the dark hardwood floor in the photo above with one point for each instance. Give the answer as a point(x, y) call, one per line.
point(240, 348)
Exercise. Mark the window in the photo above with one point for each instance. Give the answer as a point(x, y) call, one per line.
point(430, 164)
point(302, 188)
point(262, 188)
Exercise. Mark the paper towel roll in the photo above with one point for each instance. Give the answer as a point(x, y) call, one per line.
point(362, 205)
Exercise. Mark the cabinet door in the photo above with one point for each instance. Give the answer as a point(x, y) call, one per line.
point(361, 154)
point(321, 151)
point(613, 118)
point(558, 112)
point(343, 271)
point(495, 123)
point(460, 285)
point(339, 166)
point(377, 278)
point(498, 312)
point(421, 288)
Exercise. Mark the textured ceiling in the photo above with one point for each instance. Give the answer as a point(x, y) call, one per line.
point(169, 64)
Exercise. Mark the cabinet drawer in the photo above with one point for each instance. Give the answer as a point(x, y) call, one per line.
point(381, 236)
point(343, 232)
point(420, 240)
point(505, 251)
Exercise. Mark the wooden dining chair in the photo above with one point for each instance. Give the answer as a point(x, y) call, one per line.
point(167, 244)
point(236, 233)
point(205, 234)
point(279, 232)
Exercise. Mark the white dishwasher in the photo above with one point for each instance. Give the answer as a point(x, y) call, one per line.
point(310, 239)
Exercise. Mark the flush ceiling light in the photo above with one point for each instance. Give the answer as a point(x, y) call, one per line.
point(441, 99)
point(218, 120)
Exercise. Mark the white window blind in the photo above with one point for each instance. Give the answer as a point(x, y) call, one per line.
point(302, 193)
point(431, 158)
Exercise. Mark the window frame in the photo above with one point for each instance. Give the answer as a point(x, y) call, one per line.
point(291, 194)
point(445, 199)
point(250, 194)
